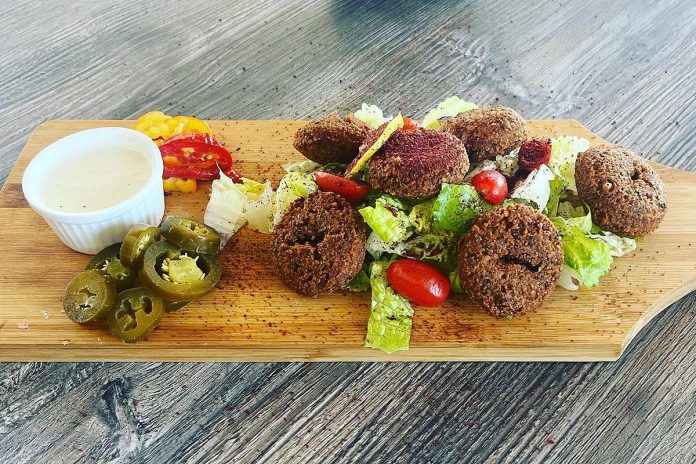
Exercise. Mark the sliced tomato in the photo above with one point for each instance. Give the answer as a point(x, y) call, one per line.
point(421, 283)
point(352, 190)
point(492, 185)
point(196, 156)
point(409, 125)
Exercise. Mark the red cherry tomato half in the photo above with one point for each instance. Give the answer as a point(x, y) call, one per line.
point(421, 283)
point(409, 125)
point(492, 185)
point(354, 191)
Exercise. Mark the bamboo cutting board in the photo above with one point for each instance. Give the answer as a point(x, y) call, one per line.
point(253, 317)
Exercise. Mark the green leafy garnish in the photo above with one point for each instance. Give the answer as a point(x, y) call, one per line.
point(446, 109)
point(389, 326)
point(387, 218)
point(456, 207)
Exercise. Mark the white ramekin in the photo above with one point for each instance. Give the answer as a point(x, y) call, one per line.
point(92, 231)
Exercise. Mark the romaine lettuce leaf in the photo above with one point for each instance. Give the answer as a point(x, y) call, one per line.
point(456, 207)
point(391, 318)
point(618, 245)
point(446, 109)
point(589, 258)
point(388, 219)
point(258, 208)
point(225, 210)
point(456, 286)
point(292, 186)
point(564, 153)
point(421, 217)
point(361, 281)
point(303, 166)
point(371, 115)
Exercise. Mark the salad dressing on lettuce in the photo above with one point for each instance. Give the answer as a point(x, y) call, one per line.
point(90, 181)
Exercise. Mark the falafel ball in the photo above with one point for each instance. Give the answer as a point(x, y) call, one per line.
point(489, 131)
point(625, 194)
point(510, 261)
point(331, 139)
point(319, 245)
point(414, 164)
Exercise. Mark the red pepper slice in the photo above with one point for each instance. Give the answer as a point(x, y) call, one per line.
point(352, 190)
point(196, 156)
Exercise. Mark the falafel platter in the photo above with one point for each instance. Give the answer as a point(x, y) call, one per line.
point(470, 233)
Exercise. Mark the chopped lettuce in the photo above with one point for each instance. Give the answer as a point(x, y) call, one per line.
point(446, 109)
point(570, 279)
point(258, 208)
point(225, 210)
point(564, 153)
point(589, 258)
point(456, 207)
point(304, 166)
point(456, 286)
point(292, 186)
point(371, 115)
point(389, 326)
point(421, 217)
point(436, 248)
point(233, 205)
point(557, 193)
point(508, 164)
point(359, 283)
point(618, 245)
point(387, 218)
point(536, 187)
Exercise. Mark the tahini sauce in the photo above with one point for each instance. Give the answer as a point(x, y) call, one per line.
point(93, 180)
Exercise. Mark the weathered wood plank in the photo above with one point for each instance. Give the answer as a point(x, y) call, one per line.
point(625, 69)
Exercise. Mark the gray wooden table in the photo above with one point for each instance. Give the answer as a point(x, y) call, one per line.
point(626, 69)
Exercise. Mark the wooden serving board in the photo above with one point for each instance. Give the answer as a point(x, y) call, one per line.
point(253, 317)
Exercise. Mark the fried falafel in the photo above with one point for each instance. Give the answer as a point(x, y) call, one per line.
point(510, 261)
point(488, 131)
point(319, 244)
point(625, 194)
point(331, 139)
point(414, 164)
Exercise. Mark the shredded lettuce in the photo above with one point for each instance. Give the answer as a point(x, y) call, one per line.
point(589, 258)
point(391, 318)
point(618, 245)
point(456, 207)
point(303, 166)
point(371, 115)
point(387, 218)
point(446, 109)
point(292, 186)
point(564, 153)
point(436, 248)
point(536, 187)
point(225, 210)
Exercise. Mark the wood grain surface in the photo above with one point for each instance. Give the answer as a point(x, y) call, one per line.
point(252, 316)
point(625, 68)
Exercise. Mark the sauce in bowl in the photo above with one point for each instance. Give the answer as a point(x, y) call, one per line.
point(93, 180)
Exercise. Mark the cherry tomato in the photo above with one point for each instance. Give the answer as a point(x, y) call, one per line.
point(409, 125)
point(421, 283)
point(492, 185)
point(352, 190)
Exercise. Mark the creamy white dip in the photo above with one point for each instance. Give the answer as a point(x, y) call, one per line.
point(93, 180)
